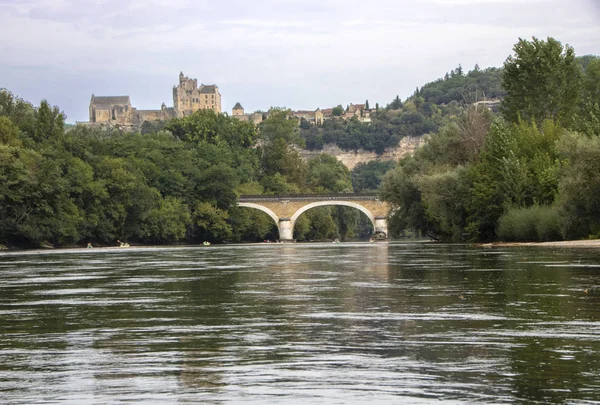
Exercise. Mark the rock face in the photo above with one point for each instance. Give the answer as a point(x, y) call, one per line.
point(350, 159)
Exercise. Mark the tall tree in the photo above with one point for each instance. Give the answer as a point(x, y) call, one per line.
point(542, 80)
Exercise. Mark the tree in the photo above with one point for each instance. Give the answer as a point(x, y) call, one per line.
point(50, 122)
point(579, 188)
point(279, 158)
point(208, 126)
point(367, 105)
point(280, 125)
point(588, 119)
point(337, 111)
point(326, 174)
point(396, 104)
point(542, 81)
point(368, 176)
point(9, 132)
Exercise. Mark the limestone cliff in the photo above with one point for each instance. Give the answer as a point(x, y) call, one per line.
point(406, 146)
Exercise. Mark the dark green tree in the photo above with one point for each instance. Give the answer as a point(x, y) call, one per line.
point(542, 80)
point(368, 176)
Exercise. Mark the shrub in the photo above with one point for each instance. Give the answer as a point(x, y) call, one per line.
point(535, 224)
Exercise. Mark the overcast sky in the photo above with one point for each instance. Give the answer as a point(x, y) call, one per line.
point(300, 54)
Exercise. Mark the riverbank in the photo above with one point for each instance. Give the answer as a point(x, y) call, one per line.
point(584, 243)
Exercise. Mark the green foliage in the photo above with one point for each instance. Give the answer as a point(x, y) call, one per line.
point(367, 176)
point(50, 122)
point(542, 81)
point(166, 223)
point(588, 119)
point(151, 127)
point(533, 224)
point(251, 225)
point(208, 126)
point(20, 112)
point(321, 225)
point(9, 132)
point(396, 104)
point(280, 125)
point(476, 85)
point(282, 162)
point(89, 184)
point(579, 186)
point(326, 174)
point(444, 197)
point(518, 168)
point(467, 176)
point(210, 222)
point(399, 187)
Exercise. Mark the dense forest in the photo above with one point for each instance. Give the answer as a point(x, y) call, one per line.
point(529, 172)
point(63, 187)
point(532, 173)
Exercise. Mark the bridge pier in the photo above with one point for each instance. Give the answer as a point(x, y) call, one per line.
point(381, 229)
point(286, 230)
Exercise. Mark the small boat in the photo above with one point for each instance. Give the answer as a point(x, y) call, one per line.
point(206, 243)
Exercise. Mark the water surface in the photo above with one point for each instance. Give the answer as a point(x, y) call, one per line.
point(300, 324)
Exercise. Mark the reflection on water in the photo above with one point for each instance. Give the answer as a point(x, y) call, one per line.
point(300, 323)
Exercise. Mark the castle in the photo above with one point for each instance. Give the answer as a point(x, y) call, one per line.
point(187, 98)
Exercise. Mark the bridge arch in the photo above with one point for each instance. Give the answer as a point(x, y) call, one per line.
point(260, 208)
point(359, 207)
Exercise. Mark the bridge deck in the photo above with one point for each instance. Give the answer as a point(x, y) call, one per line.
point(310, 197)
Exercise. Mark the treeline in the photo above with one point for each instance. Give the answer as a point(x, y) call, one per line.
point(456, 86)
point(532, 173)
point(426, 111)
point(64, 187)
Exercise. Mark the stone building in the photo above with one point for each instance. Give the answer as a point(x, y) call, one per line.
point(117, 111)
point(238, 112)
point(315, 117)
point(110, 109)
point(189, 98)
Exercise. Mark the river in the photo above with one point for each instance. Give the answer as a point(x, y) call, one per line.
point(348, 323)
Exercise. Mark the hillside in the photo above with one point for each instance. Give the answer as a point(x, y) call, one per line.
point(425, 111)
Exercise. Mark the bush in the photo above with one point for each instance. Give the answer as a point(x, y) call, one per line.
point(533, 224)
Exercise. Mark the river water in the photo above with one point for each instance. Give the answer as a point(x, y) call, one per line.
point(348, 323)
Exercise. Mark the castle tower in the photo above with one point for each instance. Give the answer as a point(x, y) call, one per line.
point(237, 110)
point(189, 98)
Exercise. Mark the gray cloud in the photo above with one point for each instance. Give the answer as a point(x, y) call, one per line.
point(301, 54)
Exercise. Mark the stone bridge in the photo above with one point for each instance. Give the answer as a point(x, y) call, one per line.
point(285, 209)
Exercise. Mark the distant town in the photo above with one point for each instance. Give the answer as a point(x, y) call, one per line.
point(188, 97)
